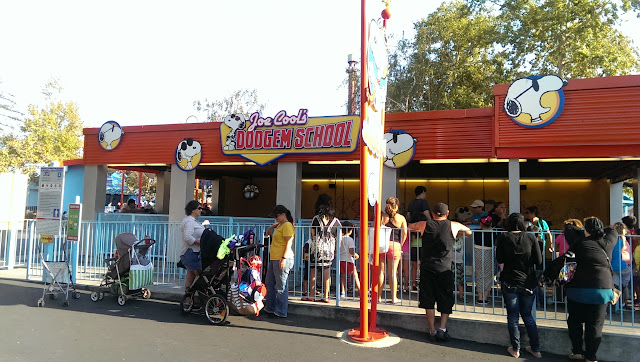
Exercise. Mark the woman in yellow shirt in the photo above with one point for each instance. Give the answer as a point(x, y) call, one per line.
point(280, 262)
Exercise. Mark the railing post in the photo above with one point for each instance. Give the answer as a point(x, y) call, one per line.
point(30, 239)
point(12, 246)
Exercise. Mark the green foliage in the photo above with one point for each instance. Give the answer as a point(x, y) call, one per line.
point(9, 116)
point(50, 133)
point(465, 47)
point(242, 101)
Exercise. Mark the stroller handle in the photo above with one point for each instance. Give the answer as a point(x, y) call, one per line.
point(144, 242)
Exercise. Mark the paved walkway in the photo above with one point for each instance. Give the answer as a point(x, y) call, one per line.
point(466, 325)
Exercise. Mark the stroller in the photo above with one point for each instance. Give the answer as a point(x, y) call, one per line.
point(57, 279)
point(129, 271)
point(210, 289)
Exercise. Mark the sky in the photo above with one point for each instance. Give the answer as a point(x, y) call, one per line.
point(145, 62)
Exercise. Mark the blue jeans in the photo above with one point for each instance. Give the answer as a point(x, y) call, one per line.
point(518, 302)
point(277, 291)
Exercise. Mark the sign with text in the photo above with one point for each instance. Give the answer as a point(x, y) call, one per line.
point(263, 140)
point(73, 222)
point(50, 189)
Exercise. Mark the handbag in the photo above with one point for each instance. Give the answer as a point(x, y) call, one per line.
point(616, 292)
point(383, 243)
point(140, 276)
point(561, 270)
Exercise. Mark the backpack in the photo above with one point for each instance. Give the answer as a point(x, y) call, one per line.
point(322, 246)
point(561, 270)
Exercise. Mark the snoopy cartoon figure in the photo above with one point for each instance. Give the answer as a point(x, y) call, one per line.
point(110, 135)
point(235, 122)
point(400, 148)
point(525, 94)
point(188, 154)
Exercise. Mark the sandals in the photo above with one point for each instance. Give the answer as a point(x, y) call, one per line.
point(513, 352)
point(307, 299)
point(323, 300)
point(534, 354)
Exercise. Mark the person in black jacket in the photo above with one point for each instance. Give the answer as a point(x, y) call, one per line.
point(590, 290)
point(520, 252)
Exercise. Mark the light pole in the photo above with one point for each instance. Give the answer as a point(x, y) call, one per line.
point(186, 120)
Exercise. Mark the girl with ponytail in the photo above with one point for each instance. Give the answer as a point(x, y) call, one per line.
point(399, 232)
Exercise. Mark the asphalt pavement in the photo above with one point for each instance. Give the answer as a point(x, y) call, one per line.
point(154, 330)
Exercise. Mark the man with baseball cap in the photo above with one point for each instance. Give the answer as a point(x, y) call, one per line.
point(436, 276)
point(477, 207)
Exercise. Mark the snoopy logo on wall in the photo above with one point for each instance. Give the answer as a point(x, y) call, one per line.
point(535, 101)
point(188, 154)
point(235, 122)
point(110, 135)
point(401, 147)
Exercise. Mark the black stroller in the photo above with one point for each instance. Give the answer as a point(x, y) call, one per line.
point(210, 288)
point(130, 259)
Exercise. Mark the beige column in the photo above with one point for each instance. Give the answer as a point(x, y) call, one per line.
point(94, 195)
point(289, 188)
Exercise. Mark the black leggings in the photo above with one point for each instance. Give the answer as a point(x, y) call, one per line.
point(592, 316)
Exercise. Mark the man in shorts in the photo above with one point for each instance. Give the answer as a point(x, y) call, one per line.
point(436, 276)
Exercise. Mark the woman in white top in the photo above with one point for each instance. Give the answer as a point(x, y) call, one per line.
point(191, 231)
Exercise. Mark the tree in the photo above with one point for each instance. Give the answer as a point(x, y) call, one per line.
point(9, 116)
point(50, 133)
point(242, 101)
point(568, 38)
point(464, 47)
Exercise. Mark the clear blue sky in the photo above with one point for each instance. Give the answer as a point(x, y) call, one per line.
point(145, 62)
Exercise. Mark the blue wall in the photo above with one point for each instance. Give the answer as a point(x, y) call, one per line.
point(73, 185)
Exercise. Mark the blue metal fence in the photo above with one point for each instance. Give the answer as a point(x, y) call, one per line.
point(475, 267)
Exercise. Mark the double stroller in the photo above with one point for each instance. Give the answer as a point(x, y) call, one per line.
point(217, 287)
point(129, 271)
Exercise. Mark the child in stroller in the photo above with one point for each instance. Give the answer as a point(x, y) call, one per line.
point(119, 279)
point(211, 286)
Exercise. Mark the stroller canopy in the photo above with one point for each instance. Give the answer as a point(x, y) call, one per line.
point(210, 242)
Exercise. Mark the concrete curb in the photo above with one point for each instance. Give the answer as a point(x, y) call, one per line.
point(614, 347)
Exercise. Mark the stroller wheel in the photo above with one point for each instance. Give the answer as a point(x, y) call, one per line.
point(122, 299)
point(184, 306)
point(76, 295)
point(146, 293)
point(94, 296)
point(65, 303)
point(216, 309)
point(53, 296)
point(40, 302)
point(100, 296)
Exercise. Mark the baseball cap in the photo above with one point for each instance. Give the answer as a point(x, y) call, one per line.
point(278, 209)
point(477, 203)
point(440, 209)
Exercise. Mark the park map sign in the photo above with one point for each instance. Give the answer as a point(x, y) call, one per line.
point(265, 139)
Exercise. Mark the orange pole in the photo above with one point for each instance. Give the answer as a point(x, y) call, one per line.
point(364, 206)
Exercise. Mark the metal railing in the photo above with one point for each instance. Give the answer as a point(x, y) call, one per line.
point(475, 268)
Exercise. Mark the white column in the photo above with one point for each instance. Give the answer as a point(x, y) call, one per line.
point(182, 188)
point(163, 192)
point(182, 185)
point(289, 188)
point(94, 194)
point(389, 184)
point(514, 185)
point(615, 202)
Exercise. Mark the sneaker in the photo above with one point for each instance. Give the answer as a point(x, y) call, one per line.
point(442, 336)
point(431, 337)
point(343, 295)
point(579, 356)
point(480, 301)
